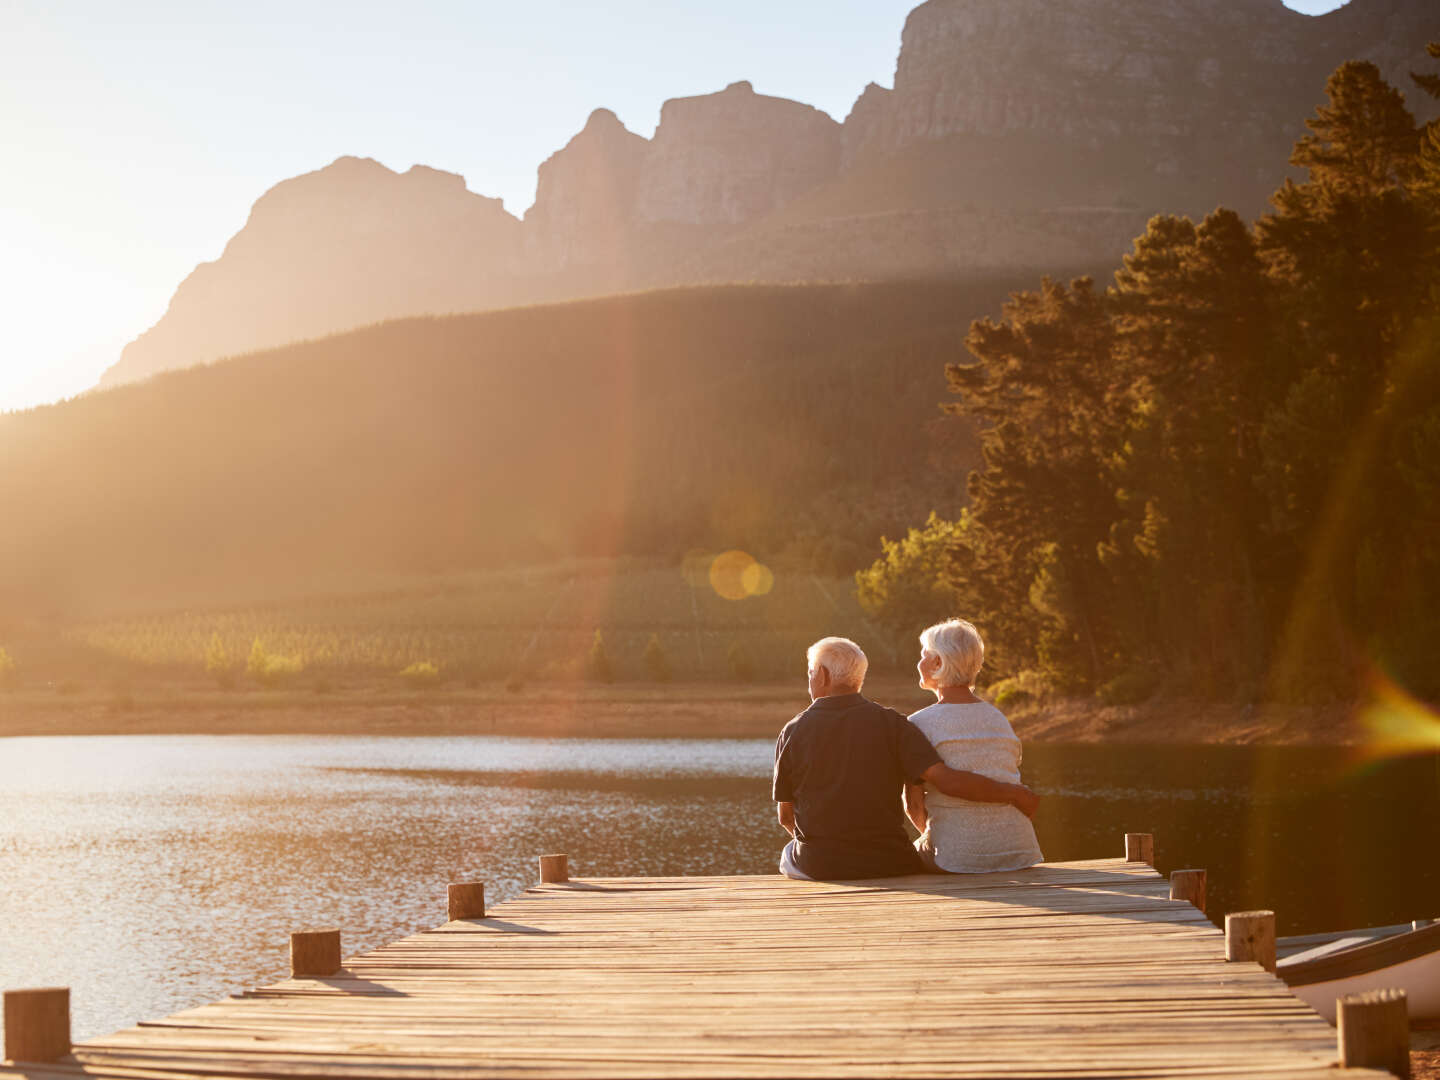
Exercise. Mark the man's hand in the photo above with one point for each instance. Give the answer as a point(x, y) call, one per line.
point(915, 806)
point(785, 811)
point(1025, 800)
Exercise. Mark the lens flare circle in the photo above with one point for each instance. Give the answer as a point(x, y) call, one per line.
point(758, 579)
point(727, 574)
point(736, 575)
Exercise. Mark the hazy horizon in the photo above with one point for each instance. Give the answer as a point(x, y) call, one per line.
point(150, 130)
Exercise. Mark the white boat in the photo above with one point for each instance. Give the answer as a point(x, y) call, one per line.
point(1322, 967)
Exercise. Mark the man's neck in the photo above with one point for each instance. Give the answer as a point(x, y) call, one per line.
point(838, 691)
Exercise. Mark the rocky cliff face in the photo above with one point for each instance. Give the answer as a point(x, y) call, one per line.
point(350, 244)
point(1214, 92)
point(584, 208)
point(1089, 70)
point(732, 157)
point(1210, 91)
point(1019, 133)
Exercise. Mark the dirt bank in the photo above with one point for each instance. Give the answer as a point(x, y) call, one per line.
point(713, 710)
point(1186, 722)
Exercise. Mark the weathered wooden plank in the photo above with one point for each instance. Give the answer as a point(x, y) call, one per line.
point(1067, 970)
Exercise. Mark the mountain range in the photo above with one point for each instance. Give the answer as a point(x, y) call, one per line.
point(1019, 135)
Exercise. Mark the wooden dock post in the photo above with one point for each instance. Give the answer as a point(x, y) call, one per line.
point(1140, 847)
point(1188, 885)
point(554, 869)
point(1372, 1031)
point(1250, 935)
point(314, 952)
point(37, 1024)
point(467, 900)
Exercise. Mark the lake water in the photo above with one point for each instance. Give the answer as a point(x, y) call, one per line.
point(154, 873)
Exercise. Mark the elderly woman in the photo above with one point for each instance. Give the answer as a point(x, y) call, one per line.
point(956, 835)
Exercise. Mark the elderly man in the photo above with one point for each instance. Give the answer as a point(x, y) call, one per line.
point(840, 767)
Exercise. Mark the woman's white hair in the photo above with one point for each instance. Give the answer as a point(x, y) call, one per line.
point(960, 649)
point(842, 658)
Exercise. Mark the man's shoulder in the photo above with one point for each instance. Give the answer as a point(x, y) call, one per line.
point(804, 716)
point(886, 711)
point(794, 724)
point(820, 712)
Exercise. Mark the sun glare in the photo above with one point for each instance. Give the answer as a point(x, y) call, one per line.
point(1397, 724)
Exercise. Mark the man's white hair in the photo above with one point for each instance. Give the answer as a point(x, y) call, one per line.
point(960, 649)
point(842, 658)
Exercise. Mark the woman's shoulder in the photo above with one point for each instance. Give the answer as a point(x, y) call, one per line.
point(945, 708)
point(974, 716)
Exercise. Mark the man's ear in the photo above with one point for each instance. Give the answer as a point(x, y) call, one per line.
point(822, 676)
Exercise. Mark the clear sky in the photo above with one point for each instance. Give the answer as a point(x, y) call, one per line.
point(138, 133)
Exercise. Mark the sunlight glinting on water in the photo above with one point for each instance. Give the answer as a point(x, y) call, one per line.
point(154, 873)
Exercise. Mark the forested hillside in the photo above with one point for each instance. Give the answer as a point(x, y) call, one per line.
point(794, 422)
point(1219, 476)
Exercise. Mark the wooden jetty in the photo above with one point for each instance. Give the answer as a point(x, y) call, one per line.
point(1066, 970)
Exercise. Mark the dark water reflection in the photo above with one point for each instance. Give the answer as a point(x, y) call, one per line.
point(1324, 838)
point(153, 873)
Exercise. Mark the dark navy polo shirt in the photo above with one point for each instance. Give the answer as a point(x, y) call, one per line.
point(843, 762)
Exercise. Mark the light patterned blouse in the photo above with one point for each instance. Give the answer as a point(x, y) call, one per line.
point(972, 837)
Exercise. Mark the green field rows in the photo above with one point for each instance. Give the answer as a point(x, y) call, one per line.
point(539, 622)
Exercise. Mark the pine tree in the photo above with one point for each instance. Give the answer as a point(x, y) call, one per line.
point(1429, 83)
point(1194, 309)
point(1045, 380)
point(656, 662)
point(1350, 242)
point(1363, 140)
point(1353, 250)
point(1428, 184)
point(598, 664)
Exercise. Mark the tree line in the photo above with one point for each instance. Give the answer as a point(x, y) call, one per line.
point(1219, 476)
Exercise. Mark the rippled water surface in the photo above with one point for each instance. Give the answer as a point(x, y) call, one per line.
point(154, 873)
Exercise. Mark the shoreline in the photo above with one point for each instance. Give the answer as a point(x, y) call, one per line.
point(704, 710)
